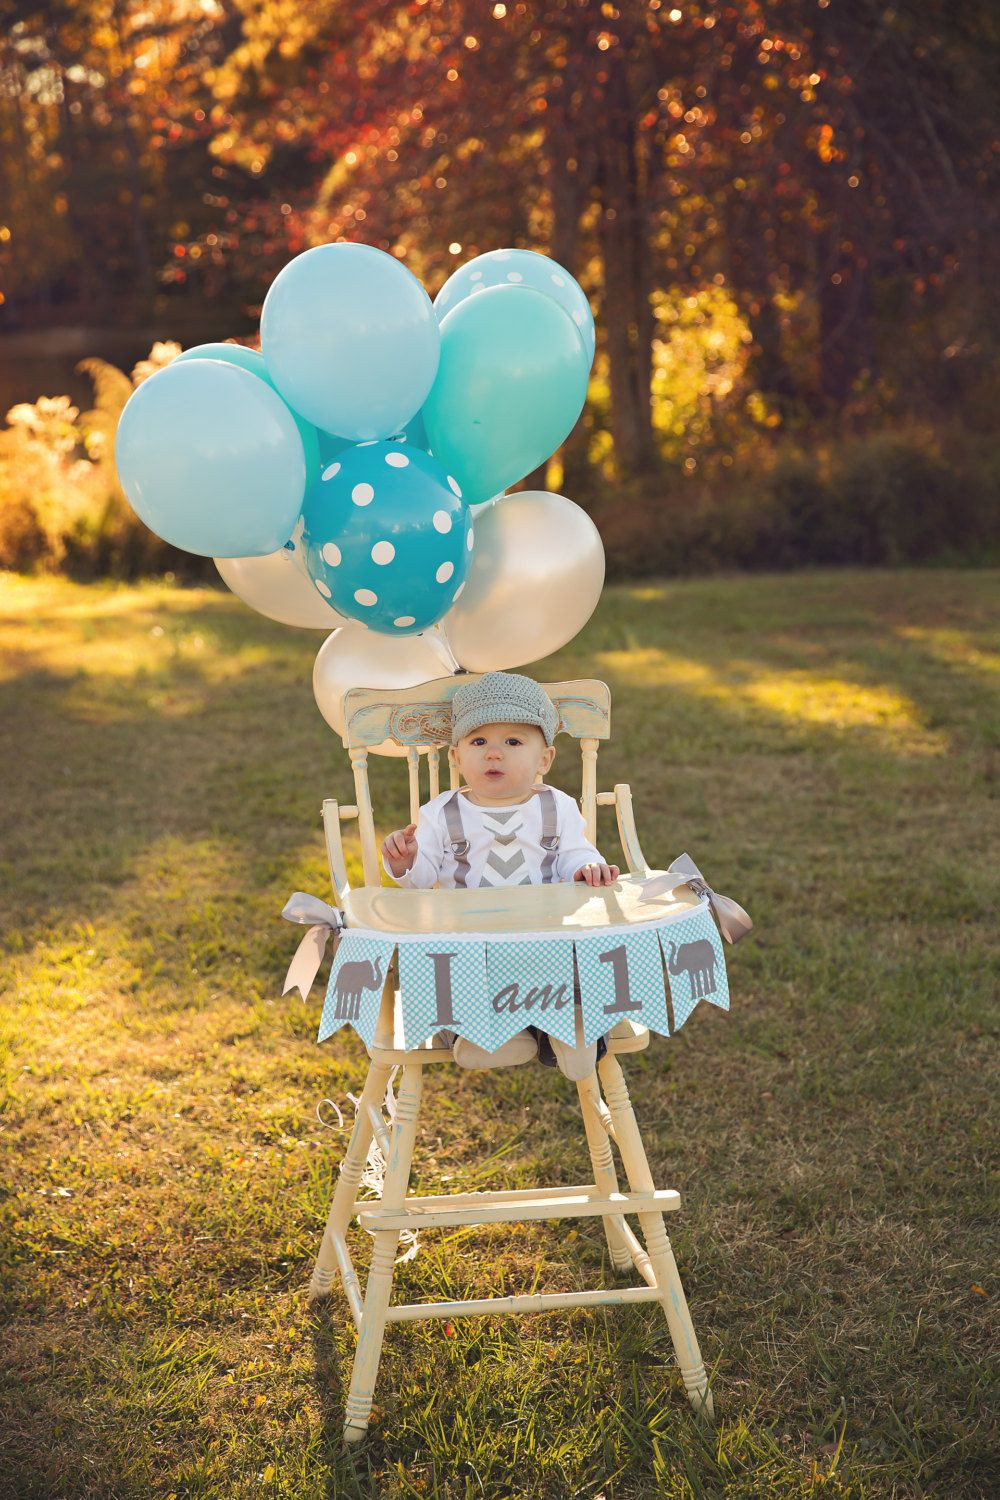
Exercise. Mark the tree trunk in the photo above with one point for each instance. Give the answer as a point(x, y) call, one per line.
point(568, 181)
point(91, 291)
point(628, 323)
point(845, 337)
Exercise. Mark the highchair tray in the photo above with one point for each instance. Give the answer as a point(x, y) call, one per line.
point(570, 907)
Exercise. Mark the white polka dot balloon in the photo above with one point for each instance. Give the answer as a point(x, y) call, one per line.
point(519, 268)
point(387, 536)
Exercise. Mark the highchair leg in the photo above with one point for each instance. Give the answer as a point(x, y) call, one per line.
point(346, 1190)
point(386, 1242)
point(661, 1256)
point(605, 1176)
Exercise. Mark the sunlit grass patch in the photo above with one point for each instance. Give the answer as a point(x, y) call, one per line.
point(807, 698)
point(955, 648)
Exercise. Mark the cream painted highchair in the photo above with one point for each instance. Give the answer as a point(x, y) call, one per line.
point(419, 719)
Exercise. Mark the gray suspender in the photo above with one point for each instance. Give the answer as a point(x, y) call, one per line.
point(459, 844)
point(550, 839)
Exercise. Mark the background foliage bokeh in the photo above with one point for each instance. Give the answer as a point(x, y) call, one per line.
point(783, 215)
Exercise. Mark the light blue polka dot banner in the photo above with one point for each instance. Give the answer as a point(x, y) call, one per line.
point(531, 984)
point(621, 978)
point(444, 985)
point(487, 990)
point(354, 989)
point(696, 965)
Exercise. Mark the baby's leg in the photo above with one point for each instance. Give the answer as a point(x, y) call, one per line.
point(520, 1048)
point(573, 1062)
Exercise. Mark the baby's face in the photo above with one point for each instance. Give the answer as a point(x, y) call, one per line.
point(500, 763)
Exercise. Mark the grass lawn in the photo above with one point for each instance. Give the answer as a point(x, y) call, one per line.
point(825, 745)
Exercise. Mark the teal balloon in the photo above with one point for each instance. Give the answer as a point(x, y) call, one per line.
point(350, 340)
point(510, 387)
point(388, 537)
point(253, 360)
point(211, 459)
point(415, 433)
point(520, 268)
point(331, 446)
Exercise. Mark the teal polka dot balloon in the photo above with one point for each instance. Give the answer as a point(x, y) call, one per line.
point(388, 537)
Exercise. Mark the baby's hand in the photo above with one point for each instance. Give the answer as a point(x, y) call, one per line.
point(399, 850)
point(598, 874)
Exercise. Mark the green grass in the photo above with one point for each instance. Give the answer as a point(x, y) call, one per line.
point(826, 746)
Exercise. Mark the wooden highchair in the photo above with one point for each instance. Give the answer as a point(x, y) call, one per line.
point(419, 719)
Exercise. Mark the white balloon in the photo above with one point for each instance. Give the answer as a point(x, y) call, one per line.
point(278, 586)
point(356, 657)
point(536, 575)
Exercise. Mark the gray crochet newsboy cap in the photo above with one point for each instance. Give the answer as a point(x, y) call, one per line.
point(502, 698)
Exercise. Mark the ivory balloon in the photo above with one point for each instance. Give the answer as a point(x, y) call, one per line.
point(356, 657)
point(278, 586)
point(534, 581)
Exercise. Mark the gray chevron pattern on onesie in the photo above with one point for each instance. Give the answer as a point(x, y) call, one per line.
point(500, 868)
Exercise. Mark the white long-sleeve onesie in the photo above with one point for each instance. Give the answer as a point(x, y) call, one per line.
point(504, 844)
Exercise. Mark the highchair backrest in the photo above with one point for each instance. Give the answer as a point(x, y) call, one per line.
point(418, 719)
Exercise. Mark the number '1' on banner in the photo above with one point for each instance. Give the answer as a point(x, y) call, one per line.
point(621, 979)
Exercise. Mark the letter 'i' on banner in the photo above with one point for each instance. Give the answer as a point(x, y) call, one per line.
point(443, 984)
point(621, 978)
point(531, 984)
point(354, 989)
point(696, 966)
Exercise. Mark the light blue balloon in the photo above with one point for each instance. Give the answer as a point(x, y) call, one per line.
point(211, 459)
point(253, 360)
point(350, 340)
point(388, 537)
point(512, 382)
point(520, 268)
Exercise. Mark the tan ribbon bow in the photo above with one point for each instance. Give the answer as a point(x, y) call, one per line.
point(734, 922)
point(325, 920)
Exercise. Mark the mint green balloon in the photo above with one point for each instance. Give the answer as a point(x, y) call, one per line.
point(511, 383)
point(253, 360)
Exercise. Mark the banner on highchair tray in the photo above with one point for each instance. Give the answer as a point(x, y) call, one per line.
point(487, 986)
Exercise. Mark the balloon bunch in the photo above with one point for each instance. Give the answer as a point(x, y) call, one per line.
point(351, 475)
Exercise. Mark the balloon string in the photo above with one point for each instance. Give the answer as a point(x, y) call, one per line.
point(439, 642)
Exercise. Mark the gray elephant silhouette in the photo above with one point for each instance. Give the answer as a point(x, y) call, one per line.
point(697, 960)
point(351, 980)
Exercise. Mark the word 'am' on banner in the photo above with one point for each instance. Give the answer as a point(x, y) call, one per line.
point(487, 988)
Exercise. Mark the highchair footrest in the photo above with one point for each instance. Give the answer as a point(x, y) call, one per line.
point(509, 1207)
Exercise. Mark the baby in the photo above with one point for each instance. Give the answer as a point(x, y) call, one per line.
point(502, 828)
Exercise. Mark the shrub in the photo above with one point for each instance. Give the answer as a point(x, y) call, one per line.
point(61, 505)
point(880, 500)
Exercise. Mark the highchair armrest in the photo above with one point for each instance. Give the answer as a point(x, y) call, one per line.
point(622, 798)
